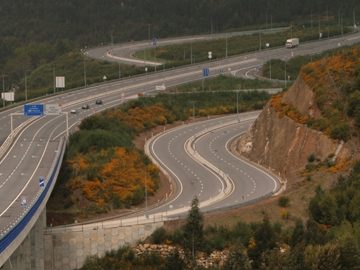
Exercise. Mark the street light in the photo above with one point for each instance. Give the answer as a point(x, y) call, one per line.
point(226, 45)
point(119, 72)
point(25, 82)
point(3, 86)
point(84, 71)
point(237, 101)
point(146, 201)
point(285, 75)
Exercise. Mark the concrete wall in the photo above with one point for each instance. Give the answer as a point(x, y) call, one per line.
point(30, 253)
point(68, 247)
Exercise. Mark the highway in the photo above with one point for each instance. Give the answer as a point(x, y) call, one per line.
point(32, 151)
point(198, 161)
point(125, 52)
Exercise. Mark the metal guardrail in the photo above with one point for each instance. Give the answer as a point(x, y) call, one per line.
point(7, 239)
point(9, 140)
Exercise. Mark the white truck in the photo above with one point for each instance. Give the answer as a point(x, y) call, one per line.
point(292, 43)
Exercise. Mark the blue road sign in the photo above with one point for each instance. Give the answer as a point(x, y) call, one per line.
point(205, 72)
point(34, 109)
point(41, 182)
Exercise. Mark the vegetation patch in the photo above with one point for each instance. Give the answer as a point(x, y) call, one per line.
point(335, 81)
point(329, 239)
point(103, 170)
point(181, 54)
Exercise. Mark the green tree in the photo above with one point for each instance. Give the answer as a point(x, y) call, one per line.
point(174, 262)
point(265, 240)
point(298, 233)
point(328, 257)
point(323, 208)
point(349, 254)
point(238, 259)
point(193, 229)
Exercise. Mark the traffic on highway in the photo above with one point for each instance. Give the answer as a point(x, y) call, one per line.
point(195, 156)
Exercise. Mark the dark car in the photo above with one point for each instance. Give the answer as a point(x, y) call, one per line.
point(98, 102)
point(85, 106)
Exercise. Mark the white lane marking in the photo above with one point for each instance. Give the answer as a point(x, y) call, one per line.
point(263, 171)
point(36, 168)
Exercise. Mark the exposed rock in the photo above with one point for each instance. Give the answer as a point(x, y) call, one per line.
point(281, 143)
point(216, 258)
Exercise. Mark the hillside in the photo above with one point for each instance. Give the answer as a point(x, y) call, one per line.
point(313, 125)
point(41, 38)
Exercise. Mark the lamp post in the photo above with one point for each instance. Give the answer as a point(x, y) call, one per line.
point(285, 76)
point(26, 86)
point(119, 72)
point(259, 40)
point(191, 54)
point(226, 45)
point(146, 201)
point(237, 102)
point(3, 88)
point(84, 71)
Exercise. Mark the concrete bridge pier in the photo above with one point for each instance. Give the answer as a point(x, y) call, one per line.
point(30, 255)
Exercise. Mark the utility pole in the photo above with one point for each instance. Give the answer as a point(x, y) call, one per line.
point(149, 33)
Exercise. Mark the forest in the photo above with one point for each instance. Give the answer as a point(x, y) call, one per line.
point(40, 37)
point(328, 239)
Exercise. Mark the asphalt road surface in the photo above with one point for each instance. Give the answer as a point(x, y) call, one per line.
point(32, 154)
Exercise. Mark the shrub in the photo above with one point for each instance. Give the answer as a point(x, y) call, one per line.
point(284, 201)
point(341, 132)
point(158, 236)
point(311, 158)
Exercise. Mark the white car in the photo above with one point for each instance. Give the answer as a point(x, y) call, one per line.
point(73, 112)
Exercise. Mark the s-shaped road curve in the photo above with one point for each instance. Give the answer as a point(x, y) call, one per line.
point(197, 159)
point(32, 153)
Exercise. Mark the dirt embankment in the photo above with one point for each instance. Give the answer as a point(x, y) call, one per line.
point(278, 139)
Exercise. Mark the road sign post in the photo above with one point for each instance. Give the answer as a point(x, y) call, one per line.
point(205, 74)
point(41, 182)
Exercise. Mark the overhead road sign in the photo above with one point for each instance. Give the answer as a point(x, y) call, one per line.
point(52, 109)
point(34, 109)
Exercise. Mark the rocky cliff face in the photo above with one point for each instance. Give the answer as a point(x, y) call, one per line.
point(279, 138)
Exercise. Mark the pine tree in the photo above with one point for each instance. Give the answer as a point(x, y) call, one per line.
point(238, 259)
point(193, 229)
